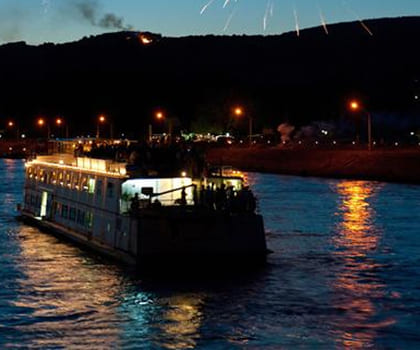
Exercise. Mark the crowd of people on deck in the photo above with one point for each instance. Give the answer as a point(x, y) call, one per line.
point(146, 159)
point(227, 199)
point(211, 198)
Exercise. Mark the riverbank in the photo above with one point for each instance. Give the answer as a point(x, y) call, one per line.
point(402, 165)
point(16, 149)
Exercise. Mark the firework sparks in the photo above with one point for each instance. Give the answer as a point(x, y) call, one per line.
point(206, 6)
point(226, 3)
point(267, 13)
point(363, 24)
point(296, 21)
point(270, 12)
point(229, 20)
point(323, 21)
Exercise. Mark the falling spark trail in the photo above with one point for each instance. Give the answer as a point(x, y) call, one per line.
point(269, 11)
point(205, 7)
point(297, 22)
point(265, 18)
point(363, 24)
point(229, 20)
point(323, 22)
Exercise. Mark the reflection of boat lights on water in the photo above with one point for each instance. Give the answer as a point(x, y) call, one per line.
point(69, 297)
point(357, 286)
point(183, 321)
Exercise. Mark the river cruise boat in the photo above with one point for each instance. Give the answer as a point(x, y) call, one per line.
point(115, 200)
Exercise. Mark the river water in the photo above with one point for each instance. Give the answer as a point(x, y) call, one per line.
point(344, 273)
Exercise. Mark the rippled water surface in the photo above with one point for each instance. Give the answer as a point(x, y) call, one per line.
point(345, 272)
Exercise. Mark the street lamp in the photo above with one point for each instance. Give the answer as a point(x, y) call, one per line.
point(239, 112)
point(355, 106)
point(159, 115)
point(101, 120)
point(42, 122)
point(59, 122)
point(11, 124)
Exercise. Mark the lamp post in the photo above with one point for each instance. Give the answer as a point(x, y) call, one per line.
point(355, 106)
point(59, 122)
point(239, 112)
point(159, 115)
point(42, 122)
point(101, 120)
point(11, 124)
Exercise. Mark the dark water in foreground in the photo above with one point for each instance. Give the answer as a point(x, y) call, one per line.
point(345, 272)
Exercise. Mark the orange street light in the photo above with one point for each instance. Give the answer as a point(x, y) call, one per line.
point(239, 112)
point(41, 122)
point(356, 106)
point(101, 120)
point(59, 122)
point(160, 115)
point(11, 124)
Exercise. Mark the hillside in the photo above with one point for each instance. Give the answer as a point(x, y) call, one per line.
point(275, 77)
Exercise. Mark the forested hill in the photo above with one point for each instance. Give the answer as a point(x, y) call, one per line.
point(201, 77)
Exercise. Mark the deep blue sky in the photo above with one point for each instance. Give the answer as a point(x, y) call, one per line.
point(38, 21)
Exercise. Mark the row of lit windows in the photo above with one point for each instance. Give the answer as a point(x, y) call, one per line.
point(71, 180)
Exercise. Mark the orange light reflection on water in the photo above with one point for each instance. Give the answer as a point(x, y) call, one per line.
point(357, 285)
point(69, 299)
point(182, 321)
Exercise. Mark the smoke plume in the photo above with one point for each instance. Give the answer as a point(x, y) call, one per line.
point(90, 11)
point(285, 131)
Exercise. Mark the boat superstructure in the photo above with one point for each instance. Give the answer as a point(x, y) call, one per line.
point(132, 211)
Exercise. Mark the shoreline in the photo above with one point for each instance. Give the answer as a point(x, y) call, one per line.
point(401, 166)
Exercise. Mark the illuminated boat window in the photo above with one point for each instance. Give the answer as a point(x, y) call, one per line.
point(91, 186)
point(159, 185)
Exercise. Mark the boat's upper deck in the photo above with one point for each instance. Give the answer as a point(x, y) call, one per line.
point(84, 164)
point(74, 155)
